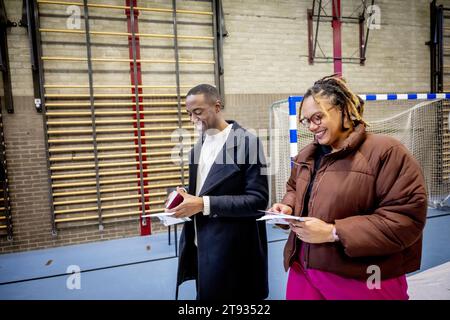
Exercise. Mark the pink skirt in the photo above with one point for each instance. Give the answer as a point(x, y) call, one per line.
point(311, 284)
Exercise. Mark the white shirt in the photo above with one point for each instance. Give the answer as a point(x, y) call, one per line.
point(211, 148)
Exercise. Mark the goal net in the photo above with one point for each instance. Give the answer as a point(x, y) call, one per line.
point(422, 126)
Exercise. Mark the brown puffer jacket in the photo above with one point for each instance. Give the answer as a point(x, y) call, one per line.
point(374, 192)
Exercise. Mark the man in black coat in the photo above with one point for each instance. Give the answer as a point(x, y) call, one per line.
point(223, 248)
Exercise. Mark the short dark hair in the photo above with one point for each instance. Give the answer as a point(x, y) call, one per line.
point(210, 92)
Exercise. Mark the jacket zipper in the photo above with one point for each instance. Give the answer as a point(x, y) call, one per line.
point(307, 245)
point(303, 201)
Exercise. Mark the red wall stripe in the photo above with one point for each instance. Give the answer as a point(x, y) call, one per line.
point(145, 227)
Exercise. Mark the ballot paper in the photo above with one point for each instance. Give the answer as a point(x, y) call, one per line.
point(166, 218)
point(278, 218)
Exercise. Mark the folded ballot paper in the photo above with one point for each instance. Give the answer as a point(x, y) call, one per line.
point(278, 218)
point(167, 219)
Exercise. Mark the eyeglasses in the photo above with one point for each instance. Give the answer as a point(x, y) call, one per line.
point(316, 118)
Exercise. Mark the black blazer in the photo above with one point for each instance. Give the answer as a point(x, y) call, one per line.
point(230, 261)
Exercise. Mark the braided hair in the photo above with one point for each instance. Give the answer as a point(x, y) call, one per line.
point(336, 91)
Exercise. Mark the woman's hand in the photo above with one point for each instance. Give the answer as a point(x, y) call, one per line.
point(281, 208)
point(313, 230)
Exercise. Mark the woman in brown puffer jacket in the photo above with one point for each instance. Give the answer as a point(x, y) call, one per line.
point(364, 200)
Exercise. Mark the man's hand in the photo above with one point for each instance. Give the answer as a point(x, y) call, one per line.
point(313, 230)
point(281, 208)
point(190, 205)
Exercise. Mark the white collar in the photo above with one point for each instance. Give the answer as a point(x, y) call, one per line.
point(219, 135)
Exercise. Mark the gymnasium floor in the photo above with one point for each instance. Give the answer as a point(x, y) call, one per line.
point(145, 268)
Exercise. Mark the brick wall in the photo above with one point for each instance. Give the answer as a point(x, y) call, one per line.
point(267, 50)
point(265, 58)
point(29, 188)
